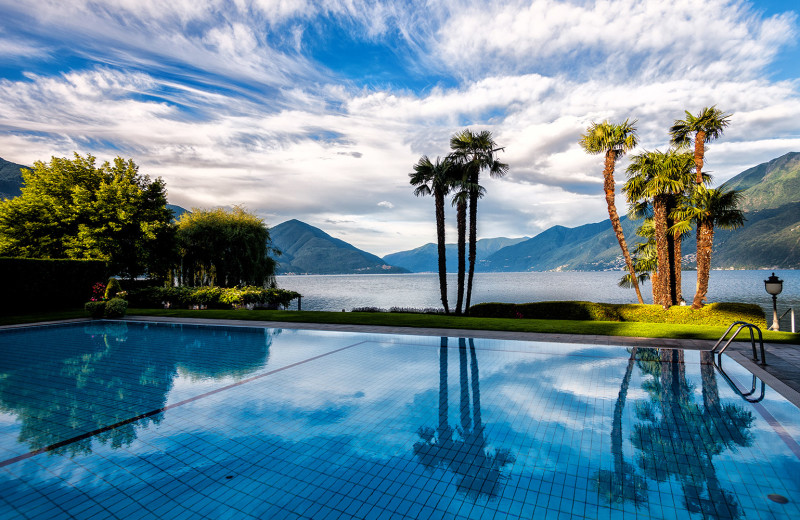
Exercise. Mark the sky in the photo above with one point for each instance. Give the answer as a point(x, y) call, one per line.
point(318, 110)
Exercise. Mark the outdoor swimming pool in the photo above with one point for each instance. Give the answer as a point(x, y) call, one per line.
point(134, 420)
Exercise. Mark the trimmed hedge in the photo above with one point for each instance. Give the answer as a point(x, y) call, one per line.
point(713, 314)
point(33, 284)
point(210, 297)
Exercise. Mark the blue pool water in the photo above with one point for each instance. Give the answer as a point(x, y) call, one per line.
point(133, 420)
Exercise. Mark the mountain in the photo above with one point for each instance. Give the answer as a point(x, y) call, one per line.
point(591, 247)
point(177, 211)
point(309, 250)
point(426, 258)
point(771, 184)
point(770, 237)
point(10, 179)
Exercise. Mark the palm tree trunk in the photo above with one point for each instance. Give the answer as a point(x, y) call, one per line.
point(608, 186)
point(677, 278)
point(699, 153)
point(662, 251)
point(440, 240)
point(705, 241)
point(473, 239)
point(461, 223)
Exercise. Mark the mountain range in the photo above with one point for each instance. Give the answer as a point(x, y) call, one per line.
point(770, 237)
point(306, 249)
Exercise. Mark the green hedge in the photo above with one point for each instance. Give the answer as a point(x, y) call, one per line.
point(32, 284)
point(210, 297)
point(714, 314)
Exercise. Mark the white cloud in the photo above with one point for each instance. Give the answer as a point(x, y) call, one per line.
point(203, 95)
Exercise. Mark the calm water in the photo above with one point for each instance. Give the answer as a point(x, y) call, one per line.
point(337, 292)
point(131, 420)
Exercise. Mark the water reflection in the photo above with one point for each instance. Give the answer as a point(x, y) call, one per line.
point(462, 450)
point(623, 484)
point(677, 438)
point(60, 390)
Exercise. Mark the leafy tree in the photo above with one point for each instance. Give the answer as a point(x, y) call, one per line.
point(476, 152)
point(225, 248)
point(708, 209)
point(659, 179)
point(71, 208)
point(700, 129)
point(435, 179)
point(613, 140)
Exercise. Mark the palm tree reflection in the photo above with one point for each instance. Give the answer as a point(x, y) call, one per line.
point(462, 451)
point(622, 484)
point(678, 439)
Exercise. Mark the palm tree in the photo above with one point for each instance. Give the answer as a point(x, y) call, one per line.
point(476, 152)
point(463, 191)
point(660, 178)
point(613, 141)
point(434, 178)
point(703, 128)
point(708, 209)
point(645, 261)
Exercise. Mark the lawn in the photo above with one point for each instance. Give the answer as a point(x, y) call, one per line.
point(602, 328)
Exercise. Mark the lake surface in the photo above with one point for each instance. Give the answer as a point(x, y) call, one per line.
point(337, 292)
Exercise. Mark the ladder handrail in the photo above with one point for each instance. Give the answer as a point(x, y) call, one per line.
point(750, 327)
point(790, 309)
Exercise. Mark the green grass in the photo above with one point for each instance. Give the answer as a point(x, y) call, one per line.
point(36, 317)
point(602, 328)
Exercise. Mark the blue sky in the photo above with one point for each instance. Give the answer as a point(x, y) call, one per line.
point(318, 110)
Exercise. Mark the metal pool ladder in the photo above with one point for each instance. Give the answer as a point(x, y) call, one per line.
point(742, 325)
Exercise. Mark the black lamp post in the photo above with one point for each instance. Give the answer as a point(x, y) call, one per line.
point(774, 286)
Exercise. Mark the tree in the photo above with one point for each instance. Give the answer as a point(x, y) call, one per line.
point(225, 248)
point(70, 208)
point(435, 179)
point(475, 152)
point(659, 179)
point(708, 209)
point(463, 189)
point(700, 129)
point(613, 141)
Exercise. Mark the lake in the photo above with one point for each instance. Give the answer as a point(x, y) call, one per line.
point(337, 292)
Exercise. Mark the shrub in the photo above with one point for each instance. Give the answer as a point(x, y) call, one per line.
point(713, 314)
point(96, 310)
point(155, 297)
point(112, 288)
point(115, 308)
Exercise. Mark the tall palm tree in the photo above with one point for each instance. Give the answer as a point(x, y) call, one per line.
point(708, 209)
point(659, 178)
point(700, 129)
point(434, 178)
point(477, 153)
point(613, 141)
point(463, 190)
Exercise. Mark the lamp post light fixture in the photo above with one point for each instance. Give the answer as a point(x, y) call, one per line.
point(774, 286)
